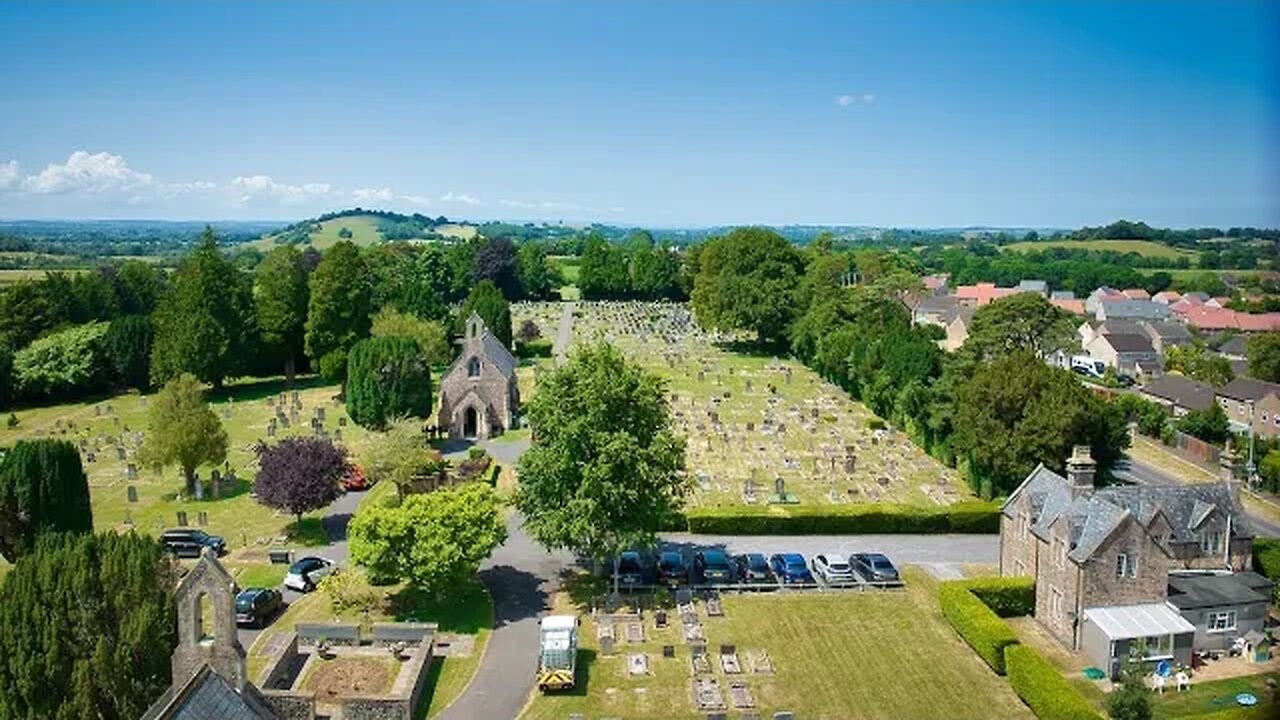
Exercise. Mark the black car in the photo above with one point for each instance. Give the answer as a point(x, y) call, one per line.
point(753, 568)
point(875, 567)
point(631, 568)
point(672, 568)
point(713, 567)
point(256, 606)
point(190, 542)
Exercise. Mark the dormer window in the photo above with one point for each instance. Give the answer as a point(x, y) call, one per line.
point(473, 367)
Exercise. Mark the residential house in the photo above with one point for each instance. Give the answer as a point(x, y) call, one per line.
point(980, 294)
point(1109, 309)
point(1166, 297)
point(1222, 607)
point(479, 394)
point(1062, 295)
point(1091, 329)
point(1094, 552)
point(1251, 403)
point(932, 309)
point(958, 322)
point(936, 284)
point(1165, 334)
point(1092, 302)
point(1071, 305)
point(1122, 351)
point(1178, 394)
point(1136, 294)
point(1039, 287)
point(1234, 348)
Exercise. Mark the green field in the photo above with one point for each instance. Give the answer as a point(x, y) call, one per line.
point(467, 612)
point(1146, 248)
point(835, 655)
point(569, 267)
point(243, 522)
point(364, 231)
point(12, 276)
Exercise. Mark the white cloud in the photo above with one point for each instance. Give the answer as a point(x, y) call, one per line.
point(847, 100)
point(385, 195)
point(85, 172)
point(248, 188)
point(518, 204)
point(459, 197)
point(844, 100)
point(169, 191)
point(868, 98)
point(9, 175)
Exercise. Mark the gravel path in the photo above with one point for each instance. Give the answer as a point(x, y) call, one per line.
point(564, 335)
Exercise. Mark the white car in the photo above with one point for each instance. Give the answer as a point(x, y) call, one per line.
point(833, 569)
point(305, 574)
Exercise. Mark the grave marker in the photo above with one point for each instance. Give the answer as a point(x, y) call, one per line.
point(132, 493)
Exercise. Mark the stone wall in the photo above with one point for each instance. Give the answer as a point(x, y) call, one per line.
point(1102, 588)
point(1017, 550)
point(279, 665)
point(289, 705)
point(1064, 579)
point(420, 667)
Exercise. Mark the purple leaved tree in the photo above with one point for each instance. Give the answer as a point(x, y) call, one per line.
point(299, 474)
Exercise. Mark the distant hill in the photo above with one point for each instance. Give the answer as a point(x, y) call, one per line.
point(364, 227)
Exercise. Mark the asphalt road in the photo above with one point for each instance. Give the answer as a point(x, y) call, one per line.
point(1136, 471)
point(335, 520)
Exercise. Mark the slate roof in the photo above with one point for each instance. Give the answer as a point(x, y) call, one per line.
point(1062, 295)
point(936, 304)
point(1234, 346)
point(1245, 388)
point(1188, 592)
point(1038, 286)
point(499, 354)
point(1093, 514)
point(1132, 309)
point(207, 696)
point(1168, 331)
point(1129, 343)
point(1181, 391)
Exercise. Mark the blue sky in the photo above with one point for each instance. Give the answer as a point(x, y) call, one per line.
point(908, 114)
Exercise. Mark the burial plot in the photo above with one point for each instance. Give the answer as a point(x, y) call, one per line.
point(707, 694)
point(740, 695)
point(698, 660)
point(638, 664)
point(760, 662)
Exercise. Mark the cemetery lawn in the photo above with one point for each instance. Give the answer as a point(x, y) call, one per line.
point(750, 419)
point(244, 412)
point(874, 654)
point(469, 612)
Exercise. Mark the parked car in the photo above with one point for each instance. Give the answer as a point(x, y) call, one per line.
point(255, 606)
point(875, 567)
point(753, 569)
point(354, 479)
point(833, 569)
point(306, 573)
point(632, 569)
point(790, 568)
point(712, 566)
point(190, 542)
point(672, 568)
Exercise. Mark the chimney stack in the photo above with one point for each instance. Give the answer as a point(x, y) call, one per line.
point(1080, 470)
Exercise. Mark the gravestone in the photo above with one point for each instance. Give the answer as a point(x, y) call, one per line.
point(668, 651)
point(131, 471)
point(638, 664)
point(271, 430)
point(182, 518)
point(271, 402)
point(740, 695)
point(606, 645)
point(199, 489)
point(342, 422)
point(202, 518)
point(660, 618)
point(132, 493)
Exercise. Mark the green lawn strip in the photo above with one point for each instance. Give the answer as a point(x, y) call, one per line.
point(256, 575)
point(885, 654)
point(1212, 696)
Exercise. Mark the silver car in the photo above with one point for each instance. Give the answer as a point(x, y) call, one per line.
point(833, 569)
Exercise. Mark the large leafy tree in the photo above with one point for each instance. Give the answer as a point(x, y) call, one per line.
point(749, 280)
point(281, 296)
point(413, 278)
point(43, 488)
point(183, 429)
point(433, 341)
point(603, 473)
point(139, 285)
point(205, 324)
point(1017, 411)
point(655, 273)
point(496, 261)
point(67, 363)
point(127, 350)
point(401, 456)
point(6, 375)
point(487, 301)
point(1210, 424)
point(602, 273)
point(338, 315)
point(1197, 362)
point(87, 624)
point(299, 474)
point(434, 540)
point(1263, 353)
point(1022, 322)
point(387, 377)
point(537, 276)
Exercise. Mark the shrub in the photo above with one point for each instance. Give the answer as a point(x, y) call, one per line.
point(65, 364)
point(1043, 688)
point(875, 423)
point(387, 377)
point(43, 488)
point(980, 627)
point(858, 518)
point(1006, 596)
point(534, 349)
point(1266, 557)
point(349, 592)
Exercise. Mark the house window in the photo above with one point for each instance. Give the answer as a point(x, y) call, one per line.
point(1059, 552)
point(1211, 542)
point(1055, 603)
point(1126, 565)
point(473, 367)
point(1157, 647)
point(1222, 621)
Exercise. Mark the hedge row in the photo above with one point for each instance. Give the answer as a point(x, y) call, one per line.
point(985, 632)
point(1266, 557)
point(534, 349)
point(1043, 688)
point(1006, 596)
point(858, 518)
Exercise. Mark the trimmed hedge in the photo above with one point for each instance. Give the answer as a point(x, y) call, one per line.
point(1006, 596)
point(859, 518)
point(1043, 688)
point(1266, 557)
point(534, 349)
point(978, 624)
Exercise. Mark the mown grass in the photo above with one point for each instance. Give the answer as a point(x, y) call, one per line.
point(1215, 695)
point(835, 655)
point(1145, 248)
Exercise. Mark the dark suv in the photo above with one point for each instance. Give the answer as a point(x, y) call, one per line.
point(190, 542)
point(256, 606)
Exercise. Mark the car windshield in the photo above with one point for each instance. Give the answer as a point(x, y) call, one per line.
point(244, 602)
point(715, 558)
point(756, 562)
point(671, 560)
point(793, 561)
point(881, 563)
point(629, 562)
point(302, 566)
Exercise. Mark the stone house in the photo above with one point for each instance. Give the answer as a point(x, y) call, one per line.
point(479, 395)
point(958, 322)
point(1122, 351)
point(1251, 403)
point(1166, 334)
point(1091, 548)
